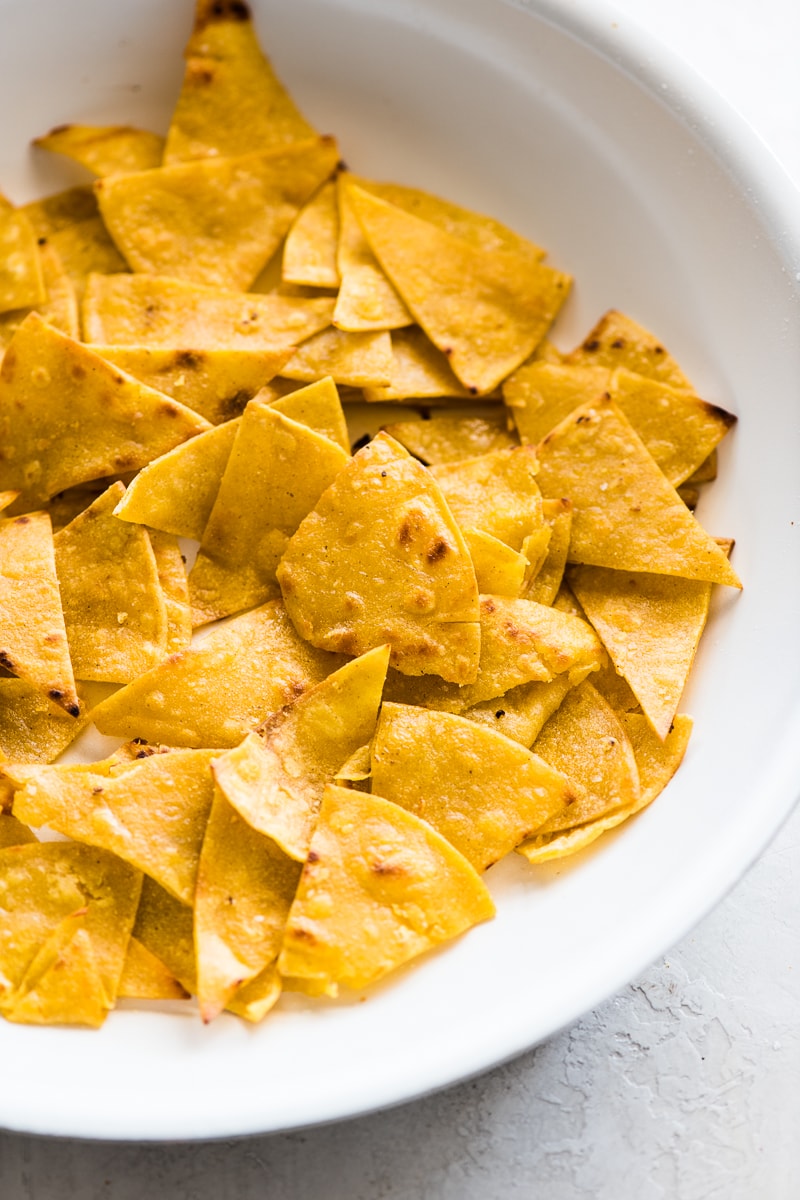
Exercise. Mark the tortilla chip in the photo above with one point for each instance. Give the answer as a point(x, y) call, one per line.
point(165, 927)
point(21, 284)
point(426, 604)
point(171, 568)
point(146, 977)
point(523, 711)
point(496, 492)
point(276, 473)
point(51, 213)
point(487, 312)
point(618, 341)
point(543, 583)
point(67, 416)
point(453, 438)
point(216, 221)
point(60, 309)
point(480, 790)
point(318, 406)
point(105, 149)
point(351, 359)
point(83, 248)
point(499, 570)
point(258, 997)
point(651, 626)
point(541, 394)
point(162, 313)
point(419, 372)
point(366, 301)
point(706, 472)
point(625, 516)
point(231, 99)
point(14, 833)
point(221, 687)
point(379, 888)
point(309, 254)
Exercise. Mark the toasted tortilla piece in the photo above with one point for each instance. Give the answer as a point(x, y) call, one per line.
point(231, 99)
point(176, 492)
point(366, 301)
point(21, 284)
point(216, 221)
point(544, 581)
point(523, 711)
point(171, 569)
point(68, 417)
point(153, 815)
point(60, 309)
point(155, 311)
point(625, 515)
point(51, 213)
point(276, 473)
point(616, 690)
point(351, 359)
point(275, 779)
point(651, 626)
point(411, 582)
point(165, 927)
point(221, 687)
point(309, 253)
point(258, 997)
point(245, 888)
point(495, 492)
point(379, 887)
point(105, 149)
point(706, 472)
point(499, 570)
point(33, 637)
point(114, 608)
point(85, 247)
point(215, 383)
point(451, 439)
point(482, 791)
point(14, 833)
point(419, 372)
point(146, 977)
point(486, 311)
point(619, 341)
point(318, 406)
point(50, 891)
point(540, 394)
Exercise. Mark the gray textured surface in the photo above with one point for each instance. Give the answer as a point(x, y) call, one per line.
point(684, 1085)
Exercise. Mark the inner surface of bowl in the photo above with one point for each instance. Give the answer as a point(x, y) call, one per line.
point(574, 131)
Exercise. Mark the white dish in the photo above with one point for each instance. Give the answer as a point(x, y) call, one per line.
point(567, 124)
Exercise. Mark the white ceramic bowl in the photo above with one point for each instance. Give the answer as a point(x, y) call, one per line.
point(563, 121)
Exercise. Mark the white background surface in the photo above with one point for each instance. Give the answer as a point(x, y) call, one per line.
point(684, 1085)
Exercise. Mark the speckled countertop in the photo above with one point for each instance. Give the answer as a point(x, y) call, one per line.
point(686, 1085)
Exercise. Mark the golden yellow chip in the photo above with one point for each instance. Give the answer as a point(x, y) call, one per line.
point(543, 583)
point(21, 284)
point(13, 832)
point(276, 473)
point(309, 253)
point(256, 998)
point(480, 790)
point(62, 984)
point(419, 372)
point(60, 309)
point(410, 581)
point(499, 570)
point(449, 439)
point(55, 212)
point(146, 977)
point(165, 927)
point(379, 888)
point(171, 569)
point(366, 300)
point(496, 492)
point(216, 221)
point(105, 149)
point(318, 406)
point(351, 359)
point(83, 248)
point(619, 341)
point(221, 687)
point(522, 712)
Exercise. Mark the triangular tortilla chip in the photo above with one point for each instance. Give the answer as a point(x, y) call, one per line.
point(51, 213)
point(84, 247)
point(309, 253)
point(220, 688)
point(216, 221)
point(451, 439)
point(275, 780)
point(105, 149)
point(33, 638)
point(480, 790)
point(379, 888)
point(245, 888)
point(171, 568)
point(619, 341)
point(114, 607)
point(366, 301)
point(625, 515)
point(165, 927)
point(411, 582)
point(231, 99)
point(153, 815)
point(146, 977)
point(67, 416)
point(151, 310)
point(543, 583)
point(259, 996)
point(499, 570)
point(14, 833)
point(496, 492)
point(419, 372)
point(522, 712)
point(651, 626)
point(351, 359)
point(60, 309)
point(276, 473)
point(486, 311)
point(318, 406)
point(21, 284)
point(62, 985)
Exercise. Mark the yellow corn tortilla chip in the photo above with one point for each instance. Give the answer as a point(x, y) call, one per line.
point(51, 213)
point(62, 984)
point(351, 359)
point(619, 341)
point(153, 815)
point(60, 309)
point(495, 492)
point(318, 406)
point(419, 372)
point(523, 711)
point(309, 253)
point(379, 888)
point(165, 927)
point(33, 637)
point(477, 788)
point(146, 977)
point(114, 608)
point(487, 312)
point(410, 582)
point(625, 515)
point(449, 439)
point(275, 475)
point(83, 248)
point(171, 569)
point(13, 832)
point(105, 149)
point(215, 383)
point(245, 888)
point(256, 998)
point(154, 311)
point(21, 284)
point(651, 626)
point(275, 780)
point(221, 687)
point(34, 729)
point(706, 472)
point(366, 300)
point(231, 98)
point(68, 417)
point(499, 570)
point(543, 582)
point(216, 221)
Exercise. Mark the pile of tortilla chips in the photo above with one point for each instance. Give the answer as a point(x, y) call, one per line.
point(466, 635)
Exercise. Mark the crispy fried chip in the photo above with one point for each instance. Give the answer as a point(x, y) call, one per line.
point(522, 712)
point(221, 687)
point(171, 569)
point(379, 888)
point(13, 832)
point(543, 584)
point(105, 149)
point(318, 406)
point(21, 284)
point(618, 341)
point(309, 253)
point(276, 473)
point(146, 977)
point(216, 221)
point(419, 372)
point(351, 359)
point(51, 213)
point(84, 247)
point(625, 516)
point(114, 608)
point(60, 309)
point(486, 311)
point(411, 583)
point(256, 998)
point(165, 927)
point(499, 570)
point(496, 492)
point(480, 790)
point(366, 300)
point(453, 438)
